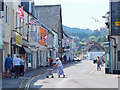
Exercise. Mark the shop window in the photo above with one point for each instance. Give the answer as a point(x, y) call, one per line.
point(16, 20)
point(6, 14)
point(118, 55)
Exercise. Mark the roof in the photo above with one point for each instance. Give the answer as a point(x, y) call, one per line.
point(65, 33)
point(51, 16)
point(91, 45)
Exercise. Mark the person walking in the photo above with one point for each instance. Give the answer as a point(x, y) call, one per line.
point(98, 63)
point(103, 59)
point(8, 65)
point(22, 66)
point(60, 67)
point(65, 59)
point(51, 60)
point(16, 63)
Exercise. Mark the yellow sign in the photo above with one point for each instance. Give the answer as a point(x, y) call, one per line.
point(117, 23)
point(18, 38)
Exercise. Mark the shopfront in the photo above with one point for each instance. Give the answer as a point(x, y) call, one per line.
point(26, 54)
point(107, 57)
point(1, 52)
point(16, 44)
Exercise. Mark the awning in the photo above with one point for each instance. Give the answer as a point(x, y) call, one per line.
point(27, 50)
point(1, 42)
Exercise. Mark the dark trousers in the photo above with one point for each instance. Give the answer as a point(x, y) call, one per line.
point(22, 69)
point(17, 69)
point(98, 67)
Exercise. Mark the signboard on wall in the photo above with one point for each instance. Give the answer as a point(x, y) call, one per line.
point(115, 18)
point(42, 34)
point(18, 38)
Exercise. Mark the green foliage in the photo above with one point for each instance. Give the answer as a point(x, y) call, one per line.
point(96, 33)
point(92, 38)
point(77, 53)
point(98, 39)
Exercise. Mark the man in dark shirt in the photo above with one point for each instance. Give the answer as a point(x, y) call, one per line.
point(8, 65)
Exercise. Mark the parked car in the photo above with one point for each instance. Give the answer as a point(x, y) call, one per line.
point(77, 59)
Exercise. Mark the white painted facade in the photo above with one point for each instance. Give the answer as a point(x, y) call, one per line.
point(93, 55)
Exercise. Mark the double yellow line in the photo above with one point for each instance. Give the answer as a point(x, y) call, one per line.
point(31, 79)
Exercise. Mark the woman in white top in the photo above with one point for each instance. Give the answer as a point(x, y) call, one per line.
point(60, 68)
point(16, 63)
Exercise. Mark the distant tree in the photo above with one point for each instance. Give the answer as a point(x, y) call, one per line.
point(92, 38)
point(96, 33)
point(77, 53)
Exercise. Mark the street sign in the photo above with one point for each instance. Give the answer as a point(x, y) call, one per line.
point(117, 23)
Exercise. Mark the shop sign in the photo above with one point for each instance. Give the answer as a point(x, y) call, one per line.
point(117, 23)
point(18, 38)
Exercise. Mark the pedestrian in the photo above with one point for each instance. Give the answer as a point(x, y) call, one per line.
point(60, 67)
point(65, 59)
point(17, 62)
point(61, 59)
point(51, 60)
point(22, 66)
point(103, 59)
point(98, 63)
point(8, 65)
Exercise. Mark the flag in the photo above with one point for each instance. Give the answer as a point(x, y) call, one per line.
point(46, 38)
point(68, 40)
point(21, 14)
point(98, 30)
point(101, 27)
point(33, 22)
point(96, 20)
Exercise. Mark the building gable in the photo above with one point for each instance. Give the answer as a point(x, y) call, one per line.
point(95, 49)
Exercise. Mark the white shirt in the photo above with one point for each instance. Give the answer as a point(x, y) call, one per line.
point(17, 61)
point(59, 64)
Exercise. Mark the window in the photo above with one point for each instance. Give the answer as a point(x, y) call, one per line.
point(0, 13)
point(16, 20)
point(3, 13)
point(6, 14)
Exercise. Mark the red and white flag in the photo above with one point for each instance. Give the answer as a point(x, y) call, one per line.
point(21, 14)
point(46, 38)
point(98, 30)
point(68, 40)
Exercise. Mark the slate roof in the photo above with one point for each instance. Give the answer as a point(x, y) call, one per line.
point(50, 15)
point(91, 45)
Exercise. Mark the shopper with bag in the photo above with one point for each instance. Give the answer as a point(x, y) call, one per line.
point(98, 63)
point(22, 66)
point(17, 62)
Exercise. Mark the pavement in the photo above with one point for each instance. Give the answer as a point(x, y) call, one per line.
point(17, 82)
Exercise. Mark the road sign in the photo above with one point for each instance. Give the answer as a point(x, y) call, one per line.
point(117, 23)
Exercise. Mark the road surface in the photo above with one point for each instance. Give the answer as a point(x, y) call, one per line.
point(78, 75)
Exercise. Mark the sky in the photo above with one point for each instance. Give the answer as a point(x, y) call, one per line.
point(79, 13)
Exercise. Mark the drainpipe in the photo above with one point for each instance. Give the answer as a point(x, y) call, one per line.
point(115, 48)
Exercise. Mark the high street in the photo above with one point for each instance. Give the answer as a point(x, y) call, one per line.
point(78, 75)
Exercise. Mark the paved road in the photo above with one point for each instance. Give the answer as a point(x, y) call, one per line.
point(78, 75)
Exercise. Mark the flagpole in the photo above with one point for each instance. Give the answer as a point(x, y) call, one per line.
point(97, 20)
